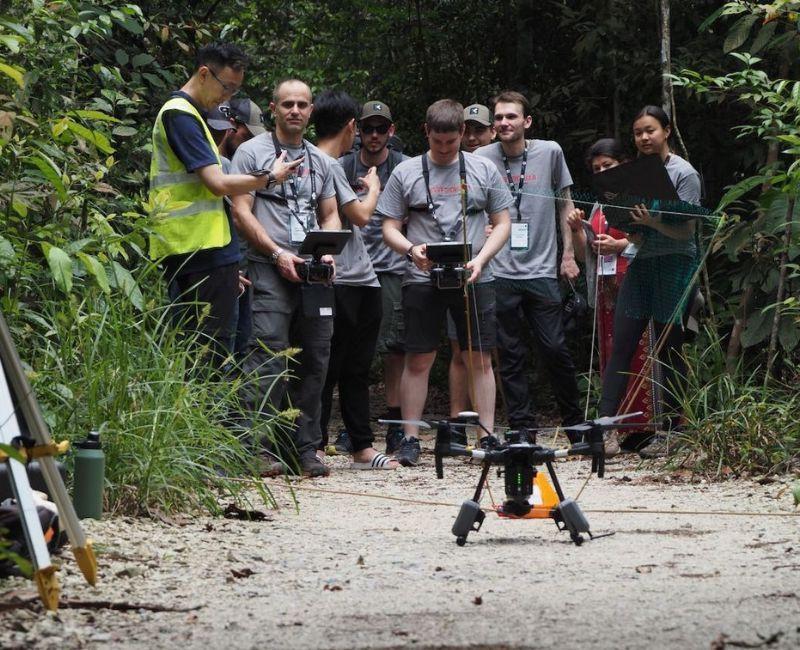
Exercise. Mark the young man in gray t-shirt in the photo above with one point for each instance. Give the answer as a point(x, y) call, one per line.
point(377, 129)
point(526, 268)
point(357, 316)
point(428, 191)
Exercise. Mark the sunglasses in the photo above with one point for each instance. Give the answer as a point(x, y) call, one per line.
point(368, 129)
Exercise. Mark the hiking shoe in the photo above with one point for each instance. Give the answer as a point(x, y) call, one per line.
point(394, 438)
point(489, 442)
point(408, 452)
point(311, 465)
point(658, 447)
point(611, 443)
point(342, 446)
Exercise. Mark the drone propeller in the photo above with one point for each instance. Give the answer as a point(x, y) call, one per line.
point(420, 423)
point(607, 421)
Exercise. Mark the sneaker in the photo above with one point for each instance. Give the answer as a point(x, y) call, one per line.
point(658, 447)
point(394, 438)
point(342, 446)
point(408, 452)
point(311, 465)
point(489, 442)
point(611, 443)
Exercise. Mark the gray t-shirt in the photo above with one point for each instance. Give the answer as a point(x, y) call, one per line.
point(278, 209)
point(546, 173)
point(384, 259)
point(353, 266)
point(405, 195)
point(687, 183)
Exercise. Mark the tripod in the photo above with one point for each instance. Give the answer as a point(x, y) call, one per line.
point(14, 384)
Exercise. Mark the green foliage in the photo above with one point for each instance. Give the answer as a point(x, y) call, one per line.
point(735, 423)
point(753, 245)
point(79, 83)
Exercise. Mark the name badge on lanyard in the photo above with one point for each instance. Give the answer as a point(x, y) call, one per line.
point(608, 265)
point(520, 231)
point(298, 228)
point(520, 238)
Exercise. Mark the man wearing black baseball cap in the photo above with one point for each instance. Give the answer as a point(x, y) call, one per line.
point(377, 129)
point(478, 127)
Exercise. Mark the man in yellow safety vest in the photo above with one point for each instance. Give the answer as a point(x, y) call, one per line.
point(191, 234)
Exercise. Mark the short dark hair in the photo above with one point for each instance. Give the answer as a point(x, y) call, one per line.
point(512, 97)
point(444, 116)
point(333, 109)
point(610, 147)
point(221, 55)
point(657, 112)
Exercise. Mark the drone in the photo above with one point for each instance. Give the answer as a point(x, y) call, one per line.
point(517, 458)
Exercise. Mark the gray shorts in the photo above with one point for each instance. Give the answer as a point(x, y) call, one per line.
point(391, 337)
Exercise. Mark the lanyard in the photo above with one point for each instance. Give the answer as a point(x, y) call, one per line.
point(426, 176)
point(293, 183)
point(517, 194)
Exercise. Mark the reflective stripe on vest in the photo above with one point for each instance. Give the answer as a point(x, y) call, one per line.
point(186, 215)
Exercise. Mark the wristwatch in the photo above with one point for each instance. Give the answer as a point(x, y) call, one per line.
point(409, 255)
point(270, 180)
point(276, 254)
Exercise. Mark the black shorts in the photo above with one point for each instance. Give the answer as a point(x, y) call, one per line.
point(424, 313)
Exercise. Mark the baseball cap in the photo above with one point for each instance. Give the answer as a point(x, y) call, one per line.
point(478, 113)
point(247, 112)
point(374, 108)
point(218, 118)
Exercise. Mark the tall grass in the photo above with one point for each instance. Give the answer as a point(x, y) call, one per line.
point(735, 421)
point(166, 425)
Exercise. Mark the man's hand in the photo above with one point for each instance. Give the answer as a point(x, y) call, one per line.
point(286, 266)
point(328, 259)
point(282, 170)
point(419, 253)
point(475, 266)
point(575, 219)
point(243, 283)
point(569, 269)
point(370, 180)
point(607, 245)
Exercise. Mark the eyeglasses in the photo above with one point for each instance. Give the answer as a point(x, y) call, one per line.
point(229, 89)
point(367, 129)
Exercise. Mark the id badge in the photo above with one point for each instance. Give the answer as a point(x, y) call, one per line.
point(519, 236)
point(298, 233)
point(608, 265)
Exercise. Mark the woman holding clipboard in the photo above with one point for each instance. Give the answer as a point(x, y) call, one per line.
point(656, 280)
point(606, 251)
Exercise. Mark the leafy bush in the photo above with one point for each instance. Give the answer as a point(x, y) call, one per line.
point(736, 423)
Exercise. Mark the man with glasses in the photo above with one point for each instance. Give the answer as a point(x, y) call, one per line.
point(286, 312)
point(191, 232)
point(377, 129)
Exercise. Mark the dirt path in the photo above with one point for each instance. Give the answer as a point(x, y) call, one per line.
point(357, 572)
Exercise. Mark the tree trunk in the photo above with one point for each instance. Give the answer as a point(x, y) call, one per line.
point(776, 319)
point(735, 342)
point(667, 94)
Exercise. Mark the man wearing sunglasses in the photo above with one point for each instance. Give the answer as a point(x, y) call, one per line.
point(377, 129)
point(191, 234)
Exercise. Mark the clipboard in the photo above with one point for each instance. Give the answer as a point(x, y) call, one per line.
point(643, 180)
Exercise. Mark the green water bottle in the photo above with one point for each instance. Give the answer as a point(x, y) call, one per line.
point(89, 477)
